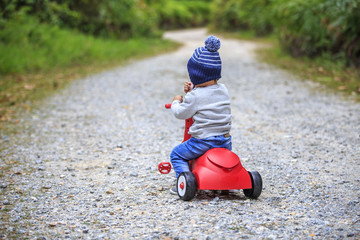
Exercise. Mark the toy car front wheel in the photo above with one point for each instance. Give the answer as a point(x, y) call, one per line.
point(256, 183)
point(186, 186)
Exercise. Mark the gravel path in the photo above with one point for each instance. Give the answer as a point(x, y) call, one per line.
point(85, 165)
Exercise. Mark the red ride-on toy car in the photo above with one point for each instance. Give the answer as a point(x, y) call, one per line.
point(217, 169)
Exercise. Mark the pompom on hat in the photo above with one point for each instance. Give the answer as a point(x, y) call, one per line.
point(205, 64)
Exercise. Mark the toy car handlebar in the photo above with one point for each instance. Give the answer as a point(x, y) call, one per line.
point(168, 105)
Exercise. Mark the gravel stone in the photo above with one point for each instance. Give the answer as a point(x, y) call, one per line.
point(5, 138)
point(86, 159)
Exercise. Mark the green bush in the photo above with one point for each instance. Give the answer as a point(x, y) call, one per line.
point(235, 15)
point(113, 18)
point(182, 14)
point(26, 45)
point(299, 28)
point(42, 34)
point(106, 18)
point(200, 11)
point(305, 28)
point(317, 27)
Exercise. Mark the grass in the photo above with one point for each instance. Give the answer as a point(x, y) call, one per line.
point(20, 92)
point(37, 60)
point(334, 75)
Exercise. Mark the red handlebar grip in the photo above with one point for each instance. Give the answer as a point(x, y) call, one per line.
point(168, 105)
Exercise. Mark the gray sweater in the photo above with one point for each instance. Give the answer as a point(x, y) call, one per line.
point(210, 109)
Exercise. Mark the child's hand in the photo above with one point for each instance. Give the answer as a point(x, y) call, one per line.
point(188, 86)
point(178, 97)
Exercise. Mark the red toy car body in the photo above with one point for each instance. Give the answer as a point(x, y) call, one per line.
point(220, 169)
point(217, 169)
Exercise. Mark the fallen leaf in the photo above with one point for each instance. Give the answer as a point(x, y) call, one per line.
point(29, 87)
point(338, 79)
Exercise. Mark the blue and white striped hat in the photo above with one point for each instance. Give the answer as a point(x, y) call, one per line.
point(205, 63)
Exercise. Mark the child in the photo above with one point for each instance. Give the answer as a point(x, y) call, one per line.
point(208, 103)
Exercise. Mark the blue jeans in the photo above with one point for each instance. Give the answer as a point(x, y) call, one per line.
point(194, 148)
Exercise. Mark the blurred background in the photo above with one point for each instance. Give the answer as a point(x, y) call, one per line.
point(46, 43)
point(311, 27)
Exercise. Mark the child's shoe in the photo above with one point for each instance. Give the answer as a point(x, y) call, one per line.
point(173, 190)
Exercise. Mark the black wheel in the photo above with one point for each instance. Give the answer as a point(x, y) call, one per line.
point(186, 186)
point(256, 182)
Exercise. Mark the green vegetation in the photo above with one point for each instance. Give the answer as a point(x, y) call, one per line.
point(243, 15)
point(320, 27)
point(45, 44)
point(322, 36)
point(105, 18)
point(34, 80)
point(325, 71)
point(40, 35)
point(29, 46)
point(319, 69)
point(113, 18)
point(182, 14)
point(304, 28)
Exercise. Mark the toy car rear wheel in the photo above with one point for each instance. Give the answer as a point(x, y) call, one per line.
point(256, 183)
point(186, 186)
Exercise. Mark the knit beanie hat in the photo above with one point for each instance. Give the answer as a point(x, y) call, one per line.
point(205, 63)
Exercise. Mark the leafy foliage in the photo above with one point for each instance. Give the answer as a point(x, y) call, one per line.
point(38, 34)
point(317, 27)
point(113, 18)
point(181, 14)
point(305, 28)
point(242, 15)
point(26, 45)
point(106, 18)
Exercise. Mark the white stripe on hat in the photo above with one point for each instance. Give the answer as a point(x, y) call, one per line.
point(203, 56)
point(211, 60)
point(217, 65)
